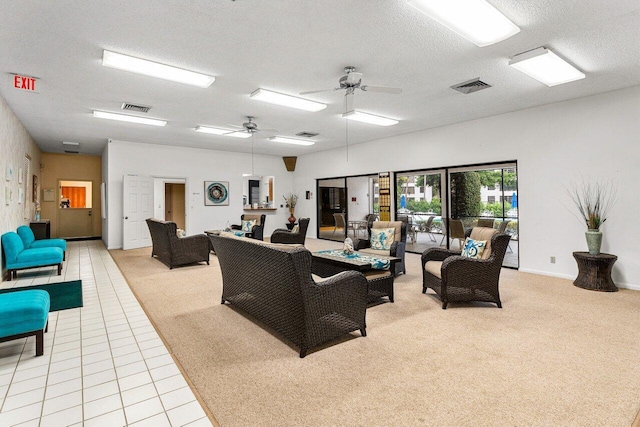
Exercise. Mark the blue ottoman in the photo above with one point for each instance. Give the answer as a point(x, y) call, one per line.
point(23, 314)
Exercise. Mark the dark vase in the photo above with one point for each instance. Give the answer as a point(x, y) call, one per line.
point(292, 218)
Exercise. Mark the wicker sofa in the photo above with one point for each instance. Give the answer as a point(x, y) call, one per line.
point(173, 250)
point(273, 283)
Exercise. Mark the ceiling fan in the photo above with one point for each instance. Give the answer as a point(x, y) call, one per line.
point(352, 81)
point(251, 127)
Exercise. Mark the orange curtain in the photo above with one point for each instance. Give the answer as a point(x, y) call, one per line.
point(77, 196)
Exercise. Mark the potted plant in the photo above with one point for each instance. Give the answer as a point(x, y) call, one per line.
point(594, 201)
point(291, 200)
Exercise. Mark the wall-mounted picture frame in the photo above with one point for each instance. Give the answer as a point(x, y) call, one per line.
point(216, 193)
point(35, 188)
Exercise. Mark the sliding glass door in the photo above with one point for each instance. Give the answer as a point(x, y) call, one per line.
point(487, 196)
point(419, 204)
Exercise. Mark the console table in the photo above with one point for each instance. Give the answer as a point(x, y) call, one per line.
point(41, 229)
point(594, 271)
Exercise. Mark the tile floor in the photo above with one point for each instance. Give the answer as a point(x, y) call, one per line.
point(103, 364)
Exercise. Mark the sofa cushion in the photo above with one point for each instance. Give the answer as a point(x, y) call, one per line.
point(396, 225)
point(382, 238)
point(473, 248)
point(26, 234)
point(484, 233)
point(375, 251)
point(256, 218)
point(36, 257)
point(434, 267)
point(12, 246)
point(23, 311)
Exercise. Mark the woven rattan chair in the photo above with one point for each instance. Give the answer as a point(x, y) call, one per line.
point(456, 231)
point(340, 222)
point(282, 235)
point(428, 228)
point(397, 247)
point(173, 250)
point(273, 283)
point(456, 278)
point(257, 231)
point(485, 222)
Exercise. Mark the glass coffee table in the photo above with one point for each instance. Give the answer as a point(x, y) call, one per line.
point(379, 280)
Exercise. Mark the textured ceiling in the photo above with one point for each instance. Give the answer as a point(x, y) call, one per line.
point(291, 46)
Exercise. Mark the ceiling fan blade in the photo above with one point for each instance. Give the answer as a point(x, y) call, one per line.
point(382, 89)
point(234, 126)
point(316, 91)
point(354, 78)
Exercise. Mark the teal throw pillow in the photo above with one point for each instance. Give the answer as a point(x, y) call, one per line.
point(247, 226)
point(473, 248)
point(382, 238)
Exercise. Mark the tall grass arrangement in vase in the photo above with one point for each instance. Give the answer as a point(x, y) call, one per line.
point(594, 201)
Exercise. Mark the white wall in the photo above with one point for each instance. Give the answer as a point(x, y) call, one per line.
point(197, 166)
point(555, 144)
point(358, 188)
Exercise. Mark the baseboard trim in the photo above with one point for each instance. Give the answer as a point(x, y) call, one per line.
point(572, 277)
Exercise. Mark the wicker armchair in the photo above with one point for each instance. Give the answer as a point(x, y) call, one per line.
point(456, 278)
point(397, 247)
point(274, 284)
point(281, 235)
point(173, 250)
point(257, 231)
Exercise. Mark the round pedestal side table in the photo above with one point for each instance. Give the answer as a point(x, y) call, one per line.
point(594, 271)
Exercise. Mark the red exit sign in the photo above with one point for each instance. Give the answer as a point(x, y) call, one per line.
point(24, 82)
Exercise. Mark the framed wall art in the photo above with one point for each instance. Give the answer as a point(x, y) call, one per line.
point(216, 193)
point(35, 189)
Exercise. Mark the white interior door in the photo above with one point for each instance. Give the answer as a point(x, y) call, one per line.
point(137, 206)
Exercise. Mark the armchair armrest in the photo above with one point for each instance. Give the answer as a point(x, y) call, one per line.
point(335, 291)
point(236, 227)
point(397, 249)
point(437, 254)
point(463, 271)
point(361, 244)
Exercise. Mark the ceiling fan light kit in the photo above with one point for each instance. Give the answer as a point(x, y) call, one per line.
point(359, 116)
point(127, 118)
point(545, 66)
point(295, 141)
point(155, 69)
point(475, 20)
point(223, 132)
point(287, 100)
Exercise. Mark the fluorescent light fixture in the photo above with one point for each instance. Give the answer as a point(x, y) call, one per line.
point(295, 141)
point(223, 132)
point(545, 66)
point(127, 118)
point(155, 69)
point(475, 20)
point(369, 118)
point(287, 100)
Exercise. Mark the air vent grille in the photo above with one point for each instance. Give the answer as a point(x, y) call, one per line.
point(471, 86)
point(307, 134)
point(71, 147)
point(135, 107)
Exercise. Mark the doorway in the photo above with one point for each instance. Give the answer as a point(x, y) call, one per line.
point(174, 200)
point(75, 209)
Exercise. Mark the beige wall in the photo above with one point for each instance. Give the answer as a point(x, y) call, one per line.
point(15, 142)
point(71, 167)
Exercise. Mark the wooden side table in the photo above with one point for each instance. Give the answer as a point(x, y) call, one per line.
point(41, 229)
point(594, 271)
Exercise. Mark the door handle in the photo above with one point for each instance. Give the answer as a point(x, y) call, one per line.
point(89, 213)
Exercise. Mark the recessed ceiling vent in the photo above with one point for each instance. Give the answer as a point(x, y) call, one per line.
point(471, 86)
point(135, 107)
point(307, 134)
point(71, 147)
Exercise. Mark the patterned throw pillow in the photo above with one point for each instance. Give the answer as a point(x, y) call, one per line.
point(473, 248)
point(382, 238)
point(247, 226)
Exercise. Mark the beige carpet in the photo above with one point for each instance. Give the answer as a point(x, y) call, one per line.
point(555, 355)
